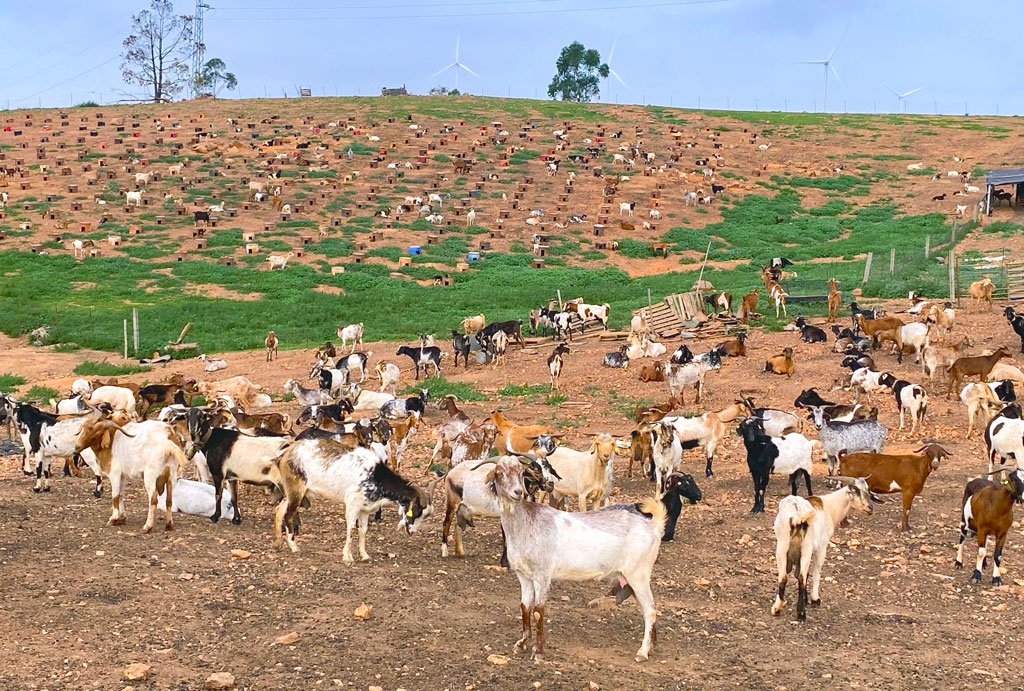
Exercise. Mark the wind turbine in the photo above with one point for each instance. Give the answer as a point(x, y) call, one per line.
point(826, 65)
point(612, 72)
point(901, 105)
point(457, 65)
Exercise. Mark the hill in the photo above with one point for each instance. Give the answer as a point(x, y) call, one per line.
point(820, 189)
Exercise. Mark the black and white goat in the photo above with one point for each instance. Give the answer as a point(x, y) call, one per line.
point(461, 345)
point(232, 456)
point(1017, 324)
point(789, 455)
point(423, 357)
point(401, 408)
point(910, 398)
point(359, 477)
point(810, 333)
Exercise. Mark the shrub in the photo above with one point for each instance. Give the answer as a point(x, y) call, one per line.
point(91, 368)
point(9, 381)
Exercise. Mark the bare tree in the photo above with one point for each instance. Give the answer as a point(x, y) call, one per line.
point(157, 53)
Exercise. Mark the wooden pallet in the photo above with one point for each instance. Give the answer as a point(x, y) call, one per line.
point(1014, 280)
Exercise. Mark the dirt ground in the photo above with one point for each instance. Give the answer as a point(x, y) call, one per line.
point(81, 601)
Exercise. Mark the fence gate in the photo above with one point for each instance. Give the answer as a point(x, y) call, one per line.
point(1015, 280)
point(996, 267)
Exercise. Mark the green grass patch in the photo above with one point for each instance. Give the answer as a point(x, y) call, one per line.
point(440, 387)
point(9, 381)
point(523, 389)
point(41, 394)
point(91, 368)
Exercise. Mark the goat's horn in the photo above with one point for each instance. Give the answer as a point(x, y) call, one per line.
point(482, 464)
point(1001, 469)
point(845, 479)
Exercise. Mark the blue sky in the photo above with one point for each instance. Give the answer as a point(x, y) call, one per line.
point(737, 53)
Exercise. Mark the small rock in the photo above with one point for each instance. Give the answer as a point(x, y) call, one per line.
point(137, 672)
point(497, 659)
point(745, 540)
point(240, 554)
point(594, 686)
point(286, 639)
point(375, 688)
point(220, 680)
point(493, 567)
point(362, 612)
point(702, 583)
point(606, 602)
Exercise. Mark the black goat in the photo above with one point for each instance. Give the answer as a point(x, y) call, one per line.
point(461, 345)
point(513, 327)
point(810, 333)
point(1017, 323)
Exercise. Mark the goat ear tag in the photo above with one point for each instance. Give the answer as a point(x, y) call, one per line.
point(408, 513)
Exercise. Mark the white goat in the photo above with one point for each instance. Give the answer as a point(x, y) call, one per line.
point(212, 364)
point(619, 544)
point(388, 373)
point(802, 532)
point(586, 475)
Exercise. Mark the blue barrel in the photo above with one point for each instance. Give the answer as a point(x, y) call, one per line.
point(415, 249)
point(473, 256)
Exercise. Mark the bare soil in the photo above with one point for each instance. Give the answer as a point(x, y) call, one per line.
point(82, 601)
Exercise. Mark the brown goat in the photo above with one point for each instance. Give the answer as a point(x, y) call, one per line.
point(513, 438)
point(748, 305)
point(974, 366)
point(654, 413)
point(653, 372)
point(276, 423)
point(734, 348)
point(890, 473)
point(641, 450)
point(835, 298)
point(271, 345)
point(981, 291)
point(781, 364)
point(873, 328)
point(987, 509)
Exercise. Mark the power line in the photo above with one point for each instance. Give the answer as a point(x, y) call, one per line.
point(390, 7)
point(305, 18)
point(69, 79)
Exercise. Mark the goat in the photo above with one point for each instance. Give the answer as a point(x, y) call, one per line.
point(133, 199)
point(515, 439)
point(734, 348)
point(1002, 371)
point(654, 413)
point(1004, 436)
point(619, 358)
point(781, 364)
point(810, 333)
point(401, 407)
point(707, 430)
point(271, 345)
point(653, 372)
point(985, 398)
point(512, 328)
point(888, 473)
point(473, 324)
point(981, 291)
point(874, 328)
point(789, 455)
point(163, 394)
point(944, 319)
point(977, 365)
point(307, 397)
point(584, 475)
point(359, 477)
point(423, 357)
point(847, 437)
point(555, 362)
point(352, 332)
point(935, 359)
point(212, 364)
point(277, 261)
point(497, 345)
point(620, 544)
point(138, 449)
point(119, 397)
point(681, 376)
point(1016, 323)
point(834, 300)
point(233, 456)
point(910, 398)
point(803, 529)
point(987, 509)
point(388, 373)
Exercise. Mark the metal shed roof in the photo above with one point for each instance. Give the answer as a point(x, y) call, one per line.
point(1004, 176)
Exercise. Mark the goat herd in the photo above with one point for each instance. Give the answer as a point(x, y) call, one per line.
point(352, 451)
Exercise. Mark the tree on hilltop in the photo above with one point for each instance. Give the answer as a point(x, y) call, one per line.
point(157, 52)
point(578, 73)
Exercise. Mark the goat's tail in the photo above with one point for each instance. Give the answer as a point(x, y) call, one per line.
point(658, 513)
